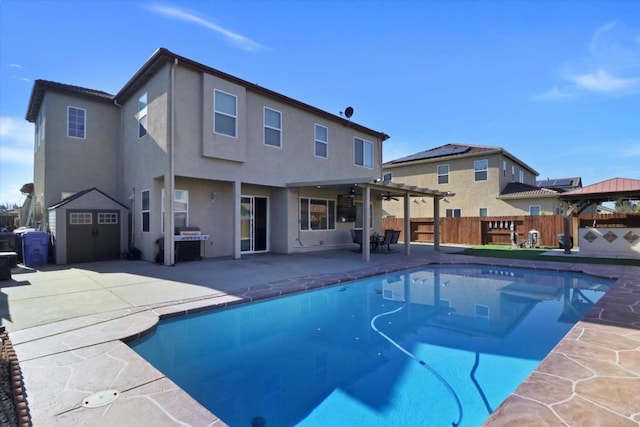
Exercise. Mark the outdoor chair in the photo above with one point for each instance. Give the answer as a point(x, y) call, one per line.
point(390, 238)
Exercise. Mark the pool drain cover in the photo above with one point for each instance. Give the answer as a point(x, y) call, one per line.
point(100, 398)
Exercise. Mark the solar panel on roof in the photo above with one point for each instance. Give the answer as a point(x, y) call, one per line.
point(436, 152)
point(566, 181)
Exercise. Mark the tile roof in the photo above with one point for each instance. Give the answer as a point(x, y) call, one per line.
point(40, 87)
point(522, 190)
point(455, 150)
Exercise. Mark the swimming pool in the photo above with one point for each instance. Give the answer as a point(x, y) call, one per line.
point(439, 345)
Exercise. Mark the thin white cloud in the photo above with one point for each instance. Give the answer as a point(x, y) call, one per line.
point(236, 39)
point(554, 94)
point(610, 67)
point(602, 81)
point(16, 141)
point(14, 65)
point(16, 132)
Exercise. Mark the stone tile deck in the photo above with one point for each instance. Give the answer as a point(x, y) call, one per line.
point(592, 377)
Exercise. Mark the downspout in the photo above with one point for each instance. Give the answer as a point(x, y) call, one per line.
point(169, 181)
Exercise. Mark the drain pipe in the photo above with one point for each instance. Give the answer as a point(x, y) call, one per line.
point(439, 377)
point(169, 178)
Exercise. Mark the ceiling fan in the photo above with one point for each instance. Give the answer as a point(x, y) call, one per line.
point(388, 196)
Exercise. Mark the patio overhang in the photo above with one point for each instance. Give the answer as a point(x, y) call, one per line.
point(377, 187)
point(374, 187)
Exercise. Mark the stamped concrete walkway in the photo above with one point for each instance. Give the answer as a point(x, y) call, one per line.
point(69, 326)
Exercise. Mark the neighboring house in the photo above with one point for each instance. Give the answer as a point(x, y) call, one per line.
point(254, 170)
point(486, 181)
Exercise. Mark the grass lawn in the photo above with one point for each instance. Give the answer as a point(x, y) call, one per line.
point(504, 251)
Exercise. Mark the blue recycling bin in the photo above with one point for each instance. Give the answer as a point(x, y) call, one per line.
point(35, 248)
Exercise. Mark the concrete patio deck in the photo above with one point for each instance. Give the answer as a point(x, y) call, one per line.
point(69, 325)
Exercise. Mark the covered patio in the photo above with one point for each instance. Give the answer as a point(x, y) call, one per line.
point(369, 189)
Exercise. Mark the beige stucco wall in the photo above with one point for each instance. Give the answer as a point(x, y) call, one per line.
point(207, 163)
point(74, 164)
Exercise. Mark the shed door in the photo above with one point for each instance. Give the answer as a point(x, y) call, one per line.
point(93, 235)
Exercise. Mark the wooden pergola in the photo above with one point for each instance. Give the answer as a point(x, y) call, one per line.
point(578, 200)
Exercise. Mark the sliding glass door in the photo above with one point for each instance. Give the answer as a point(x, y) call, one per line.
point(253, 224)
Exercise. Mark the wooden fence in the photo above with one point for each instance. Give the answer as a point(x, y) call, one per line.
point(497, 230)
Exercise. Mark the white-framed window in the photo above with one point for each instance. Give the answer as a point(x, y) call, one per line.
point(513, 173)
point(521, 177)
point(387, 176)
point(483, 212)
point(450, 213)
point(321, 141)
point(317, 214)
point(225, 106)
point(142, 115)
point(145, 207)
point(504, 168)
point(180, 208)
point(535, 210)
point(363, 152)
point(76, 122)
point(481, 170)
point(482, 312)
point(80, 218)
point(107, 217)
point(272, 127)
point(443, 174)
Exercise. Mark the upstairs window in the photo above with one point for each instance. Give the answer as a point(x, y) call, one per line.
point(142, 115)
point(521, 176)
point(535, 210)
point(321, 141)
point(363, 153)
point(226, 113)
point(513, 173)
point(504, 168)
point(443, 174)
point(481, 169)
point(272, 127)
point(387, 176)
point(76, 122)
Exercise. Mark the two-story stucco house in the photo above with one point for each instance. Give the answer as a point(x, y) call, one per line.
point(251, 169)
point(487, 181)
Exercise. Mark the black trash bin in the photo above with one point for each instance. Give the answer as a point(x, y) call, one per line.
point(561, 241)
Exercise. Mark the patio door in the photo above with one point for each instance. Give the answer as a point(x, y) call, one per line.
point(253, 224)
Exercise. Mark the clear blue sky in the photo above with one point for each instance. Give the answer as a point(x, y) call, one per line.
point(556, 83)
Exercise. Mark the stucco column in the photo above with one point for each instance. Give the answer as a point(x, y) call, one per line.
point(436, 223)
point(366, 214)
point(407, 224)
point(237, 212)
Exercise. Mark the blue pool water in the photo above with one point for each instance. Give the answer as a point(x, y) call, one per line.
point(435, 346)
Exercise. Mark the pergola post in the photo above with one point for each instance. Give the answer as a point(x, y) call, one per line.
point(436, 223)
point(407, 224)
point(366, 214)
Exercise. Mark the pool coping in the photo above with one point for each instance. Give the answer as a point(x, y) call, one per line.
point(75, 343)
